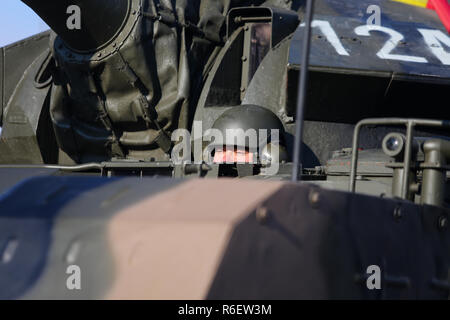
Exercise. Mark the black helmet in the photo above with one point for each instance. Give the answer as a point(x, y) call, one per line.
point(249, 133)
point(237, 122)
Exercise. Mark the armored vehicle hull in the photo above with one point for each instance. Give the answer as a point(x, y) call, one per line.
point(112, 170)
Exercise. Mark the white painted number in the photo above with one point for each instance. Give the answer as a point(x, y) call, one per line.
point(433, 39)
point(391, 44)
point(329, 33)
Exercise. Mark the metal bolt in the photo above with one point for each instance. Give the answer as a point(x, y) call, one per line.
point(9, 250)
point(314, 198)
point(262, 214)
point(73, 252)
point(398, 213)
point(205, 167)
point(443, 222)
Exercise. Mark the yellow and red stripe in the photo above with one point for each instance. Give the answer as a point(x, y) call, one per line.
point(441, 7)
point(417, 3)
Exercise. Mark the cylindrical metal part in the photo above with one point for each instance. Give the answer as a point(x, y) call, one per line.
point(397, 183)
point(302, 92)
point(407, 158)
point(437, 153)
point(101, 20)
point(394, 145)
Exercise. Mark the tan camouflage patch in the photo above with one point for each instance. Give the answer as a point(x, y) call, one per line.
point(169, 246)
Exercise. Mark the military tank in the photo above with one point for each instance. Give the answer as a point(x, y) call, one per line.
point(149, 147)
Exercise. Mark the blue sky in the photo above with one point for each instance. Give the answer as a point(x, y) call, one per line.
point(18, 22)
